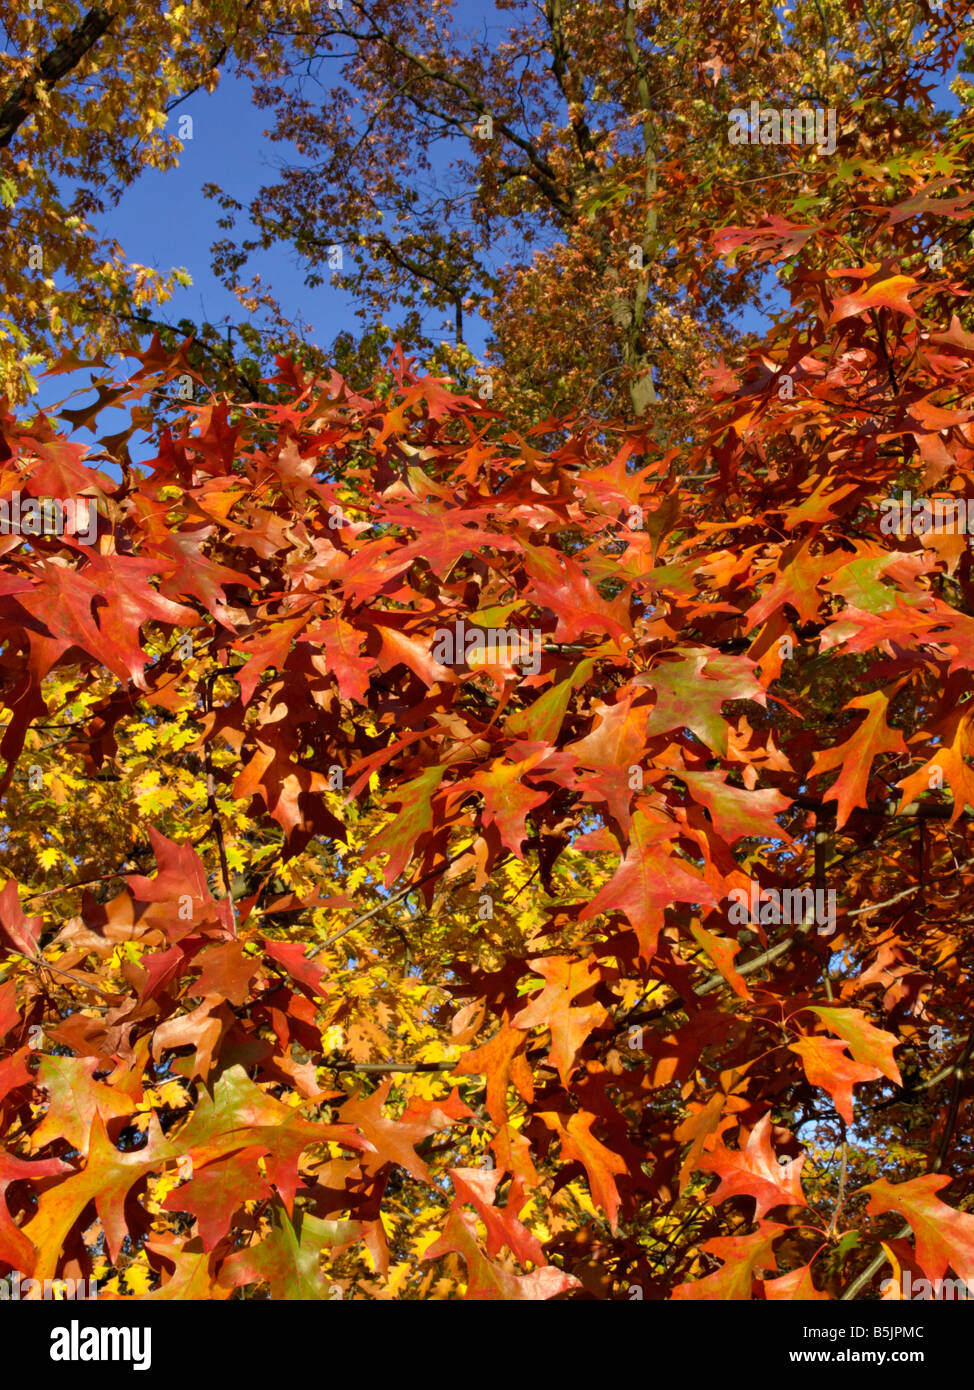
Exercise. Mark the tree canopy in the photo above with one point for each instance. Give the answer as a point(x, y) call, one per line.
point(513, 844)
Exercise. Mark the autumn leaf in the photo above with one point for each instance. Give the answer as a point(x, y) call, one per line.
point(868, 1044)
point(755, 1171)
point(827, 1065)
point(217, 1191)
point(944, 1236)
point(106, 1180)
point(691, 692)
point(75, 1098)
point(855, 757)
point(487, 1280)
point(287, 1258)
point(797, 1285)
point(649, 877)
point(565, 979)
point(890, 293)
point(744, 1258)
point(479, 1189)
point(601, 1165)
point(502, 1061)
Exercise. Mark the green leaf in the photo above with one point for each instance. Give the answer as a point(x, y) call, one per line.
point(286, 1260)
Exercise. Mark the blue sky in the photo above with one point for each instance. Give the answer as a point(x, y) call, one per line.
point(163, 220)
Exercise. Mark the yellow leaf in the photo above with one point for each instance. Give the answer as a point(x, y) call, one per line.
point(138, 1279)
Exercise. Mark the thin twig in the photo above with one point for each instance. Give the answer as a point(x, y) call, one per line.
point(388, 902)
point(390, 1066)
point(959, 1068)
point(40, 963)
point(211, 806)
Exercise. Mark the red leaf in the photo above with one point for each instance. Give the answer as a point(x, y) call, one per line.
point(23, 933)
point(827, 1065)
point(744, 1258)
point(867, 1043)
point(944, 1235)
point(270, 648)
point(479, 1188)
point(579, 1144)
point(754, 1171)
point(855, 757)
point(487, 1281)
point(890, 293)
point(215, 1193)
point(565, 978)
point(649, 878)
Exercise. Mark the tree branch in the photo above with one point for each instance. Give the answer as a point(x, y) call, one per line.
point(390, 1066)
point(387, 902)
point(65, 56)
point(959, 1070)
point(215, 822)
